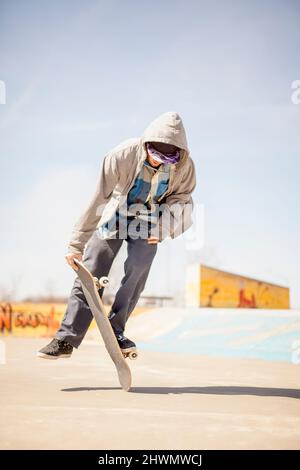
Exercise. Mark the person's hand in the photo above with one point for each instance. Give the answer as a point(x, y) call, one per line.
point(153, 240)
point(70, 259)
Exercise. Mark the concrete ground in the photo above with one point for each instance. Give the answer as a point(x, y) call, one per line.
point(177, 402)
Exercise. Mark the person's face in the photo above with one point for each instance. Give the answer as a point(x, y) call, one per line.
point(163, 148)
point(152, 161)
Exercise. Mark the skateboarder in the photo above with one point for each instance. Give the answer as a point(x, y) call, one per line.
point(143, 196)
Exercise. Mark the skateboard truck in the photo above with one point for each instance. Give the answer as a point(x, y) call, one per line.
point(131, 355)
point(102, 282)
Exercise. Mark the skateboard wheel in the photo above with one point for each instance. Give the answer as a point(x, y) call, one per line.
point(103, 281)
point(133, 355)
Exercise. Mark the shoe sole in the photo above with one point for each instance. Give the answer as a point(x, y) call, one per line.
point(53, 358)
point(128, 350)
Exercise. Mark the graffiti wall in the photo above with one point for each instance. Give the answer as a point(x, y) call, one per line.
point(30, 319)
point(33, 319)
point(210, 287)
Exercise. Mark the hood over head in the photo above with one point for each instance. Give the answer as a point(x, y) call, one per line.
point(168, 128)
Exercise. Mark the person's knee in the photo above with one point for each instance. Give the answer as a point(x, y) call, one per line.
point(146, 253)
point(138, 266)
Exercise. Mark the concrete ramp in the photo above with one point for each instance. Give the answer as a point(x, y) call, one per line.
point(261, 334)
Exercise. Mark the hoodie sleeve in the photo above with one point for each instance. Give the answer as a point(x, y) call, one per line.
point(176, 216)
point(88, 221)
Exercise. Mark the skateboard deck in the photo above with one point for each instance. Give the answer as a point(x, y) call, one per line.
point(90, 286)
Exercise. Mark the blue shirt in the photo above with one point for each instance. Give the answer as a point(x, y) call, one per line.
point(148, 189)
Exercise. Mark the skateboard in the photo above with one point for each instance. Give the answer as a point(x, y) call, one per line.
point(91, 286)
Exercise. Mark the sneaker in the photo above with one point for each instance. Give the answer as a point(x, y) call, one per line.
point(125, 344)
point(56, 349)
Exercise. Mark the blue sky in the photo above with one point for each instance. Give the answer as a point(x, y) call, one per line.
point(81, 76)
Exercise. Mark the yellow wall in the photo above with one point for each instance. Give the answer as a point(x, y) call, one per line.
point(30, 319)
point(222, 289)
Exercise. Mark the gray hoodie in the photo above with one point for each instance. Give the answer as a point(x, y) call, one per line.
point(120, 168)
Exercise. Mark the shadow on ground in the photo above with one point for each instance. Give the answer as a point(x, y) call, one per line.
point(256, 391)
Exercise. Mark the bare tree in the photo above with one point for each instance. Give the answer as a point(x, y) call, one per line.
point(9, 291)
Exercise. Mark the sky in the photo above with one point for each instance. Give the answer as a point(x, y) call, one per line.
point(81, 76)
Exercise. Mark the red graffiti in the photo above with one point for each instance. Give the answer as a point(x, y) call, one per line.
point(246, 303)
point(5, 317)
point(31, 319)
point(10, 319)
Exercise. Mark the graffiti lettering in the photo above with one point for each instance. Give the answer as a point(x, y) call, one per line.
point(5, 317)
point(246, 303)
point(211, 296)
point(32, 319)
point(11, 321)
